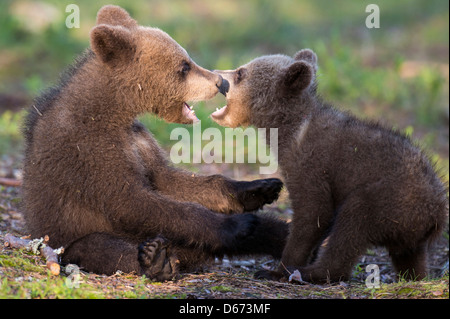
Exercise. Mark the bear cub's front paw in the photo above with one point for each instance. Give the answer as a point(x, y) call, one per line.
point(255, 194)
point(156, 260)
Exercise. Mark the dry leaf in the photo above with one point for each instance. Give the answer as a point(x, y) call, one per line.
point(296, 276)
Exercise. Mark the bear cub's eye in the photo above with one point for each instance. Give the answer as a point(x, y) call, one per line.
point(185, 68)
point(240, 74)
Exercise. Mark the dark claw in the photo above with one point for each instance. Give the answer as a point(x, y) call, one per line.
point(255, 194)
point(156, 260)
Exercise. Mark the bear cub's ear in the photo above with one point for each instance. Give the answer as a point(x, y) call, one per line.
point(297, 77)
point(306, 55)
point(112, 44)
point(115, 15)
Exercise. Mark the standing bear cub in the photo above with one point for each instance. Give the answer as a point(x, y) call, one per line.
point(353, 181)
point(96, 181)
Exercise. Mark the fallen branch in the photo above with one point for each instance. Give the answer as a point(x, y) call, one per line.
point(37, 246)
point(10, 182)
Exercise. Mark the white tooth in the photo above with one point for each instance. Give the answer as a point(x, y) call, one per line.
point(217, 108)
point(191, 107)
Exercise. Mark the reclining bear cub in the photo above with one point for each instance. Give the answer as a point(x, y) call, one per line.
point(354, 183)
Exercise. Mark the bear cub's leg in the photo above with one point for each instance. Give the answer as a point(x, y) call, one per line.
point(410, 264)
point(336, 256)
point(104, 253)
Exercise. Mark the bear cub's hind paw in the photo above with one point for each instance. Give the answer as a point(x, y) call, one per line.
point(156, 260)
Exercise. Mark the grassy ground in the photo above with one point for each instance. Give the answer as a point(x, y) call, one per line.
point(398, 74)
point(25, 276)
point(22, 278)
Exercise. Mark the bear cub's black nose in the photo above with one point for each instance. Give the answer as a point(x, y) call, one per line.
point(224, 87)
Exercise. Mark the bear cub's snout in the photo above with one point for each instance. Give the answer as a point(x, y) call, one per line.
point(223, 86)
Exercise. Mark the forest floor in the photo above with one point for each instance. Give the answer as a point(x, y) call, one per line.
point(24, 275)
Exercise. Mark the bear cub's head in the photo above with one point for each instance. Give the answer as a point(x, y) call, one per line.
point(149, 71)
point(264, 85)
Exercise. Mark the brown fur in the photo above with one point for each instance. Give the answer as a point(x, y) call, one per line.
point(97, 182)
point(353, 181)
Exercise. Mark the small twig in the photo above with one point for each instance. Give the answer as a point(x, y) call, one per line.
point(10, 182)
point(37, 246)
point(39, 112)
point(281, 263)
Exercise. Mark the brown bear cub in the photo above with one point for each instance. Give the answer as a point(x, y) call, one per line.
point(353, 182)
point(96, 181)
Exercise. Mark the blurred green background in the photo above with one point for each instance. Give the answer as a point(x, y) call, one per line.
point(397, 74)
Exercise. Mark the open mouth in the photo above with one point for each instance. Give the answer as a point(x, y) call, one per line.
point(189, 113)
point(220, 113)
